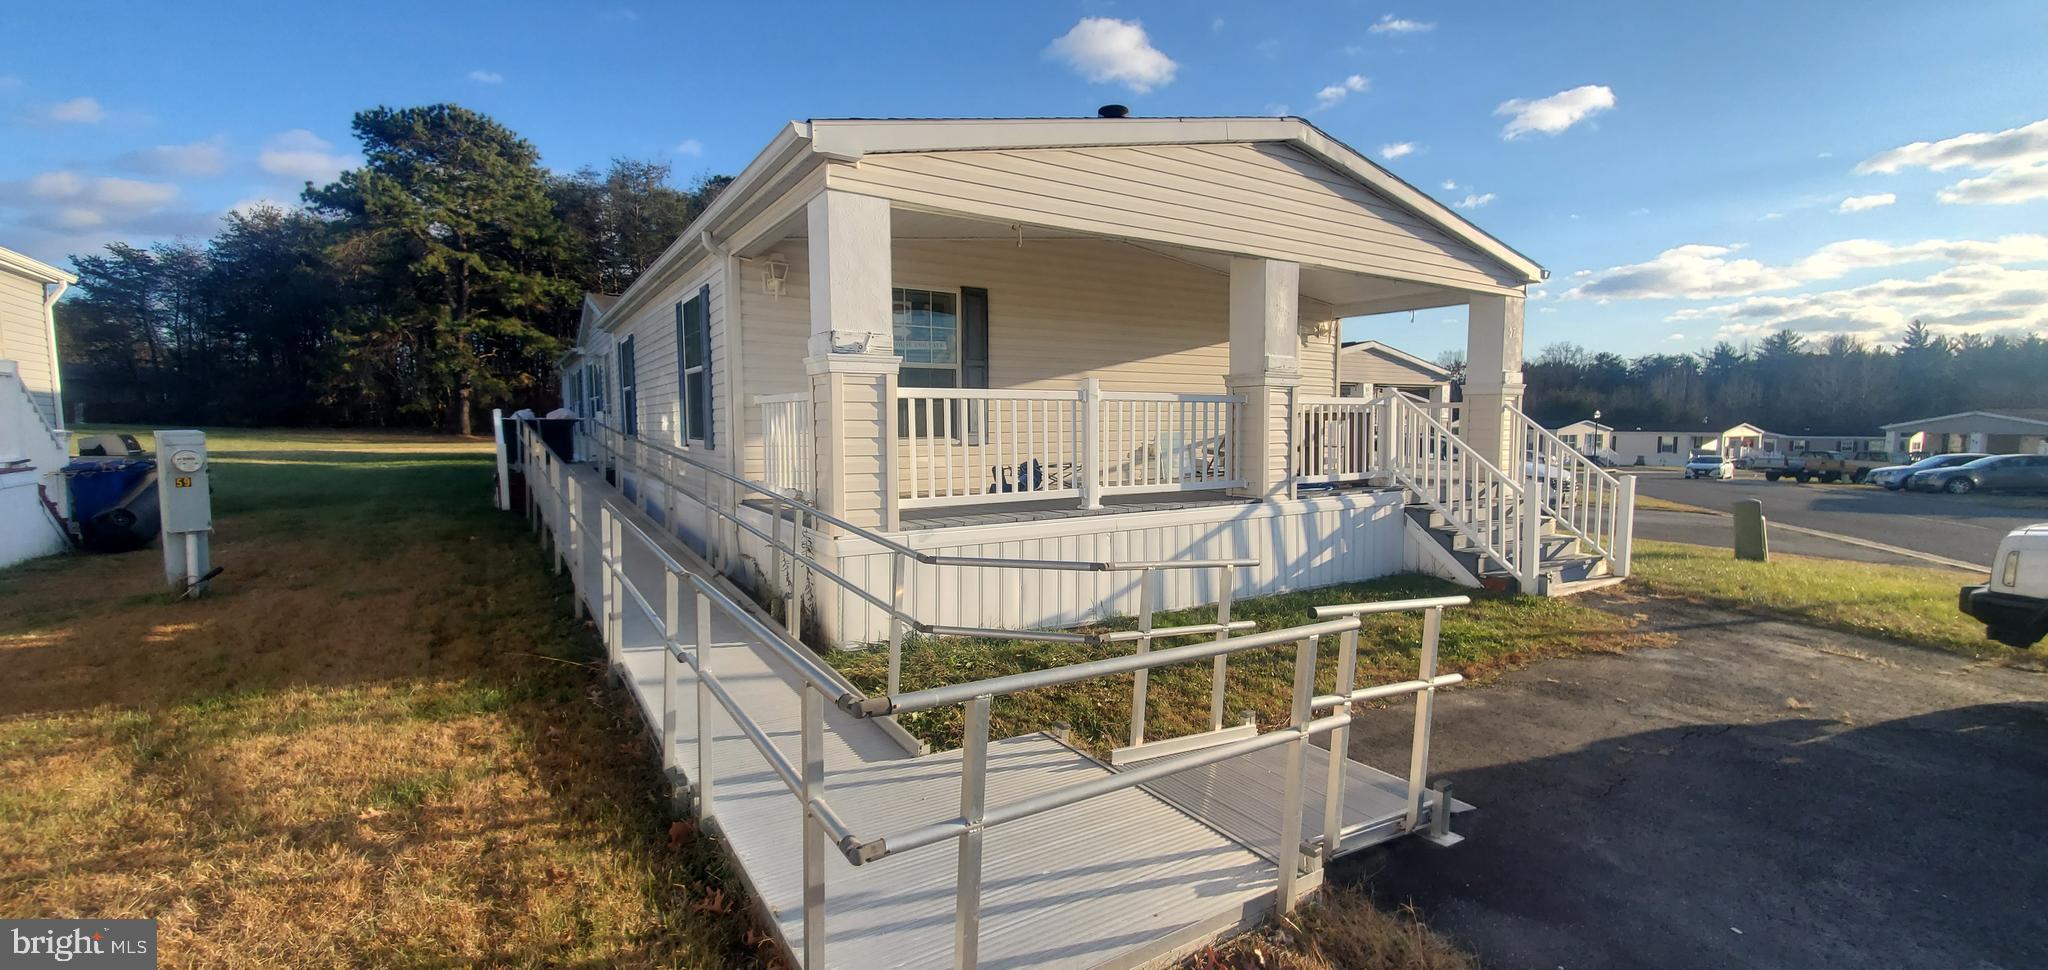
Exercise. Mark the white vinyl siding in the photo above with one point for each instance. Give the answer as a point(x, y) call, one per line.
point(653, 328)
point(1259, 199)
point(25, 339)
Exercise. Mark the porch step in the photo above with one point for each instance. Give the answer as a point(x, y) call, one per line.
point(1564, 572)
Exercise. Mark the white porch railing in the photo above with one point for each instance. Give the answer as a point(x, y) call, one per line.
point(786, 442)
point(1333, 439)
point(1590, 502)
point(967, 446)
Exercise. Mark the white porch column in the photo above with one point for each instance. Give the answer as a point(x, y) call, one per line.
point(1493, 377)
point(852, 362)
point(1891, 445)
point(1265, 369)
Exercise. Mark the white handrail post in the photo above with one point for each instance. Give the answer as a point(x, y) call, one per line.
point(504, 470)
point(1287, 854)
point(607, 595)
point(1340, 745)
point(1091, 443)
point(1425, 702)
point(705, 701)
point(1140, 679)
point(1532, 542)
point(1625, 527)
point(815, 843)
point(973, 796)
point(800, 574)
point(671, 627)
point(1219, 668)
point(575, 520)
point(898, 569)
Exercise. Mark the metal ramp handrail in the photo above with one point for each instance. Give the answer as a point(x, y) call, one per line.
point(1481, 502)
point(560, 511)
point(1590, 502)
point(804, 567)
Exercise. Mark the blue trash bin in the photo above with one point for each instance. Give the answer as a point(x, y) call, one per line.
point(113, 503)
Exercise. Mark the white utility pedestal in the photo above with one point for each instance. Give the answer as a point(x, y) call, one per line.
point(185, 504)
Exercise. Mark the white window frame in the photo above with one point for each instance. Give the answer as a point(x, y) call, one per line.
point(689, 374)
point(958, 343)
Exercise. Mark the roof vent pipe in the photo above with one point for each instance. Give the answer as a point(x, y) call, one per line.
point(1112, 111)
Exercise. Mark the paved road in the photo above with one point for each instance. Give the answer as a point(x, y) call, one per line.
point(1719, 531)
point(1964, 527)
point(1760, 794)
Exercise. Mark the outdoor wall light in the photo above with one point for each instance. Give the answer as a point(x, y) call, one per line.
point(774, 273)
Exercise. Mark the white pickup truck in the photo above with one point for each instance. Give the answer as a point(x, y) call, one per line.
point(2014, 604)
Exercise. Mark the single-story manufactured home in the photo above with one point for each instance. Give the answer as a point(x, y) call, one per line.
point(1670, 448)
point(1368, 368)
point(33, 442)
point(1102, 339)
point(1998, 431)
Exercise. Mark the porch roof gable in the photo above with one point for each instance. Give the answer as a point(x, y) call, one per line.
point(799, 148)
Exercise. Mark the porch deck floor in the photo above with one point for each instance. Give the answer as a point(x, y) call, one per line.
point(1120, 880)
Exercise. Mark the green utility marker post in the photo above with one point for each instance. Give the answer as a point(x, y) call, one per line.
point(1751, 542)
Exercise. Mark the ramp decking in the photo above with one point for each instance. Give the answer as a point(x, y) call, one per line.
point(1133, 878)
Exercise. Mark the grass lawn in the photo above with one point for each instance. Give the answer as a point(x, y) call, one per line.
point(380, 740)
point(1906, 603)
point(1493, 633)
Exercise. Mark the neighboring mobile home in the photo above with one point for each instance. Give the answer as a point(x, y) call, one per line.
point(1105, 338)
point(1671, 447)
point(33, 443)
point(1998, 431)
point(1368, 368)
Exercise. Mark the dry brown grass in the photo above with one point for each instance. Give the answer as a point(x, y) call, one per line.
point(380, 742)
point(1339, 929)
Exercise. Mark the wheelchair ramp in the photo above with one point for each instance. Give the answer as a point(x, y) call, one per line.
point(1239, 796)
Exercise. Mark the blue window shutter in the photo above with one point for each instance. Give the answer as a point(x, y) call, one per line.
point(973, 337)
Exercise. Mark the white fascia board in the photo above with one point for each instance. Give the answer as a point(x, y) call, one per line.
point(790, 144)
point(1963, 414)
point(34, 269)
point(1369, 346)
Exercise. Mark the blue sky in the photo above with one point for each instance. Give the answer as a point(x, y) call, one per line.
point(1685, 171)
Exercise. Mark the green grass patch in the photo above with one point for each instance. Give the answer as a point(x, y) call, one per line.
point(1495, 632)
point(1910, 604)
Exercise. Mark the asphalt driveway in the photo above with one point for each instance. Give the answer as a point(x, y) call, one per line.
point(1962, 527)
point(1760, 794)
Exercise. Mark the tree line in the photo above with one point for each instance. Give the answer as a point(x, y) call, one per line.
point(441, 278)
point(1788, 384)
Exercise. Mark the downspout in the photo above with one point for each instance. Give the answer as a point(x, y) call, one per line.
point(56, 372)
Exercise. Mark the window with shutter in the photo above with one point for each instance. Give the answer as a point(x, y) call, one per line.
point(693, 349)
point(629, 394)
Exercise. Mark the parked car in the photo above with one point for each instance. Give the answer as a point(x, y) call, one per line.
point(1894, 477)
point(1708, 464)
point(1854, 467)
point(1999, 473)
point(2014, 603)
point(1798, 466)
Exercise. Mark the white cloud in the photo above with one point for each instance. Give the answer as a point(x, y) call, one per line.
point(1555, 113)
point(689, 146)
point(1391, 24)
point(84, 111)
point(300, 154)
point(2006, 185)
point(1705, 272)
point(56, 185)
point(1769, 216)
point(2015, 161)
point(1216, 25)
point(1337, 92)
point(482, 76)
point(1450, 186)
point(77, 217)
point(1276, 109)
point(1473, 200)
point(1858, 203)
point(1397, 149)
point(120, 193)
point(1975, 149)
point(1104, 49)
point(200, 158)
point(1970, 298)
point(1674, 335)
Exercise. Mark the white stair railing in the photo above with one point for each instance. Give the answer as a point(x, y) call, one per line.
point(1583, 498)
point(1478, 500)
